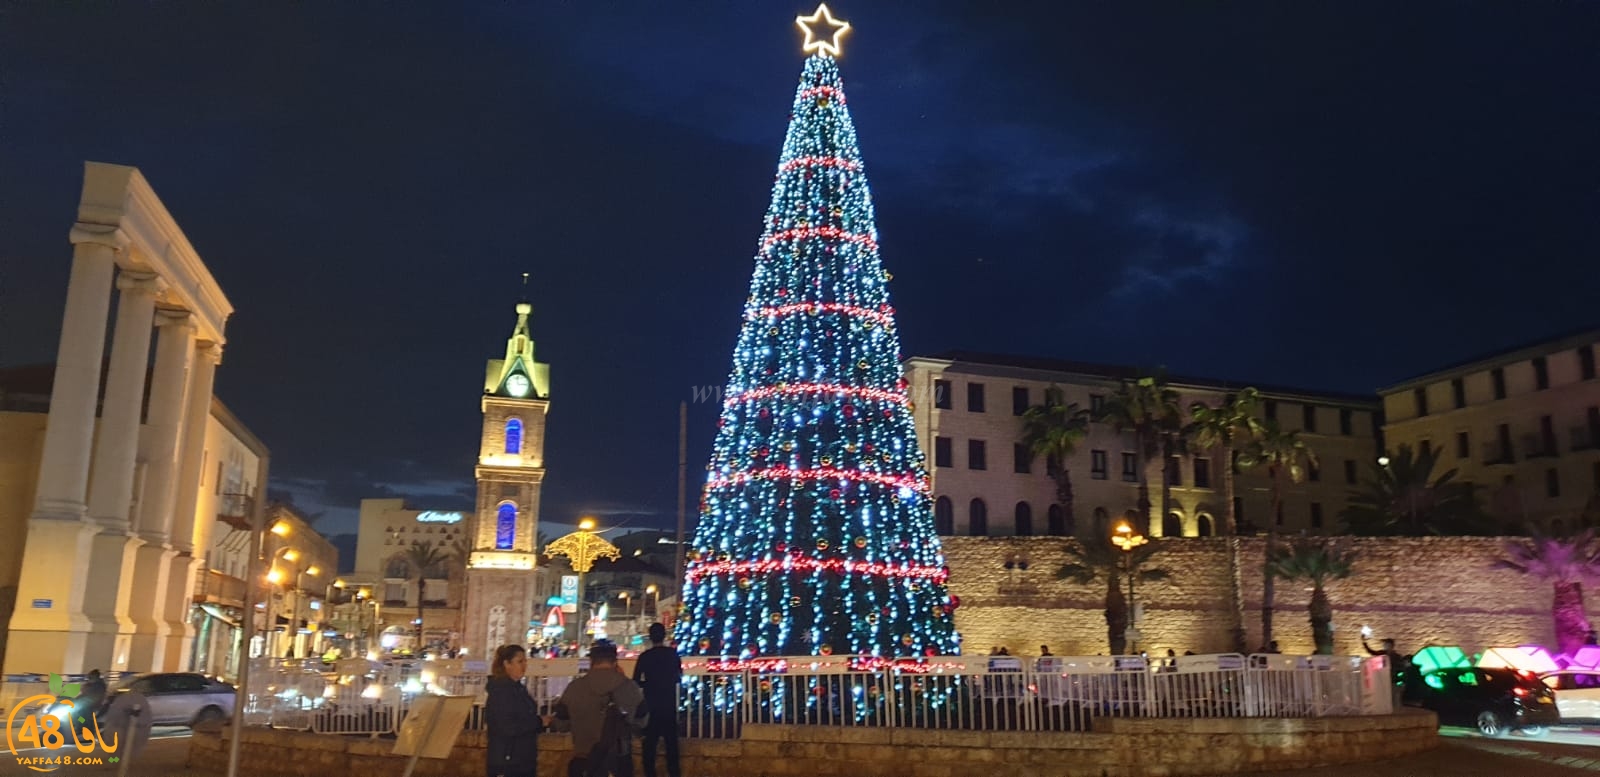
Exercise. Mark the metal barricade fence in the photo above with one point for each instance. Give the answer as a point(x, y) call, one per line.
point(718, 696)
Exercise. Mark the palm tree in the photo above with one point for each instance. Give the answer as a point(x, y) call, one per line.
point(1566, 563)
point(1095, 557)
point(1287, 458)
point(1402, 498)
point(1318, 561)
point(1054, 429)
point(1143, 408)
point(422, 558)
point(1230, 426)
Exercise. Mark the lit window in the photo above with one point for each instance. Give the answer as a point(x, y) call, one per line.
point(514, 436)
point(505, 527)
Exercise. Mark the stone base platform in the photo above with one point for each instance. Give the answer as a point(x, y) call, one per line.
point(1115, 748)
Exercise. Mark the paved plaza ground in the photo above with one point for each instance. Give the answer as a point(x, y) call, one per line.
point(1458, 755)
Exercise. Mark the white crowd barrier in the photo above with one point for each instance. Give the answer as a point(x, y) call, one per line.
point(718, 696)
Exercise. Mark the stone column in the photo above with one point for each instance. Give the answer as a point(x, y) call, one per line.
point(48, 628)
point(202, 377)
point(164, 424)
point(111, 583)
point(111, 491)
point(185, 565)
point(69, 436)
point(169, 387)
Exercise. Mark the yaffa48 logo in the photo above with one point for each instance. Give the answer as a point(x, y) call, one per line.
point(43, 729)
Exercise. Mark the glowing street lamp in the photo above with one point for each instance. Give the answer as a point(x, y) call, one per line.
point(655, 591)
point(1127, 539)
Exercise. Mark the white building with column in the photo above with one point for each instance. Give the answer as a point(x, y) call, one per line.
point(111, 547)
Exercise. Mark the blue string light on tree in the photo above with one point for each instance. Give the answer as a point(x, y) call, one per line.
point(816, 532)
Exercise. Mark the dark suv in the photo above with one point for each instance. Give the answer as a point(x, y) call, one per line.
point(1492, 700)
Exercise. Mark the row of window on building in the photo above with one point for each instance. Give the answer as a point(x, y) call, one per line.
point(1543, 444)
point(1057, 523)
point(1099, 464)
point(1021, 400)
point(1497, 380)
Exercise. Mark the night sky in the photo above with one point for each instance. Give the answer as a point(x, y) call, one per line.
point(1335, 195)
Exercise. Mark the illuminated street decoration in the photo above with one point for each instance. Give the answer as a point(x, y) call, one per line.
point(1440, 657)
point(1528, 658)
point(832, 32)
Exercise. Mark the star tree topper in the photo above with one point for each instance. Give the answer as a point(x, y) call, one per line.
point(832, 31)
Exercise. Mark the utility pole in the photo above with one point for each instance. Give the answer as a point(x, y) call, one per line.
point(252, 576)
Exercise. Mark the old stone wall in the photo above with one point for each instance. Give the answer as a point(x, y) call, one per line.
point(1419, 591)
point(1116, 748)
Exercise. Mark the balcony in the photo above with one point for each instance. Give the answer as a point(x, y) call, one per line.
point(236, 510)
point(1584, 438)
point(214, 587)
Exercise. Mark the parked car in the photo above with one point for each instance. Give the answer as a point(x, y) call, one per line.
point(1492, 700)
point(1577, 693)
point(184, 698)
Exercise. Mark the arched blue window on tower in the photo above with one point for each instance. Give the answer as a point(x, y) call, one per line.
point(505, 526)
point(514, 435)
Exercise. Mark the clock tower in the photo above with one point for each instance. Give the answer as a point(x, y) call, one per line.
point(501, 590)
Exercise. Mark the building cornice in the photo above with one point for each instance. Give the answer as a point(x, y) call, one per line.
point(119, 198)
point(1503, 358)
point(1052, 370)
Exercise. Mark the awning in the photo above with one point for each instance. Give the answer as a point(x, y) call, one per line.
point(216, 612)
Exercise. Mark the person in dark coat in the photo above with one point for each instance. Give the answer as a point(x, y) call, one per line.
point(513, 718)
point(659, 671)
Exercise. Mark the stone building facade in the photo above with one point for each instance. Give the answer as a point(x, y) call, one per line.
point(968, 411)
point(1419, 591)
point(115, 499)
point(1522, 424)
point(388, 528)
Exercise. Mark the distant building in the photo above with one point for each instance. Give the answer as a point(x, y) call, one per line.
point(1523, 424)
point(388, 531)
point(292, 605)
point(968, 409)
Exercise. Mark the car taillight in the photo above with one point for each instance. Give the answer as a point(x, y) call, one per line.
point(1520, 691)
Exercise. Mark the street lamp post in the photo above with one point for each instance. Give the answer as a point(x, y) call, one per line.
point(276, 578)
point(655, 591)
point(1127, 539)
point(258, 548)
point(582, 548)
point(627, 610)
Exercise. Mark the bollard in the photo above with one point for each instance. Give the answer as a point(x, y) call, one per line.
point(127, 738)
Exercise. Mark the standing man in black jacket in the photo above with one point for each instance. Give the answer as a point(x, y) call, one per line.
point(658, 671)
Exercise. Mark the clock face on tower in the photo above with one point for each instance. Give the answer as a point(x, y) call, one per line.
point(517, 385)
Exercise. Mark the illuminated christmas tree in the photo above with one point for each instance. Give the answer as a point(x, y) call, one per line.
point(816, 532)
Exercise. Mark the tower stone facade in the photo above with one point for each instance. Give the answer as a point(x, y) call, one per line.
point(501, 598)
